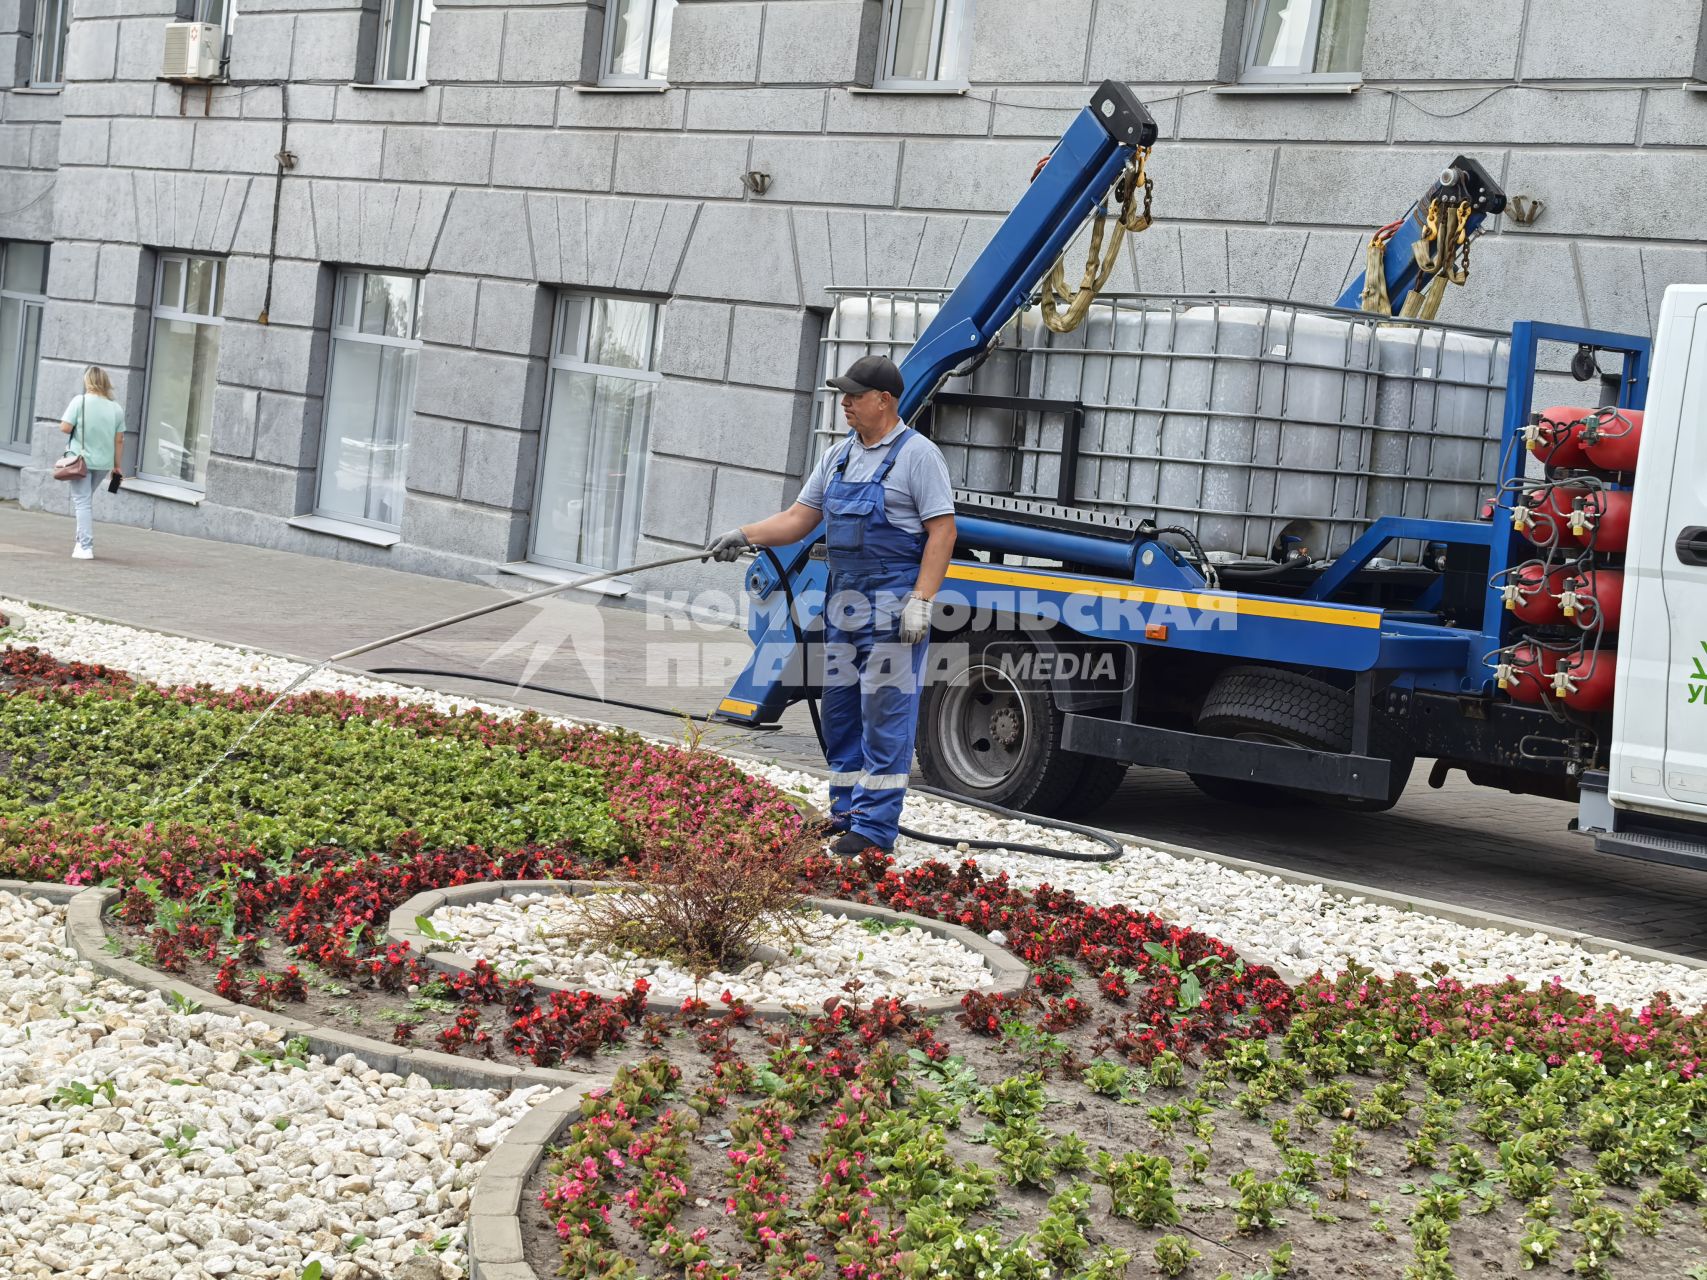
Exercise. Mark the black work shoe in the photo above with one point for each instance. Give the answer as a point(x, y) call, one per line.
point(853, 845)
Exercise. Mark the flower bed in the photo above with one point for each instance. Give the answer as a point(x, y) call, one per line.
point(1382, 1123)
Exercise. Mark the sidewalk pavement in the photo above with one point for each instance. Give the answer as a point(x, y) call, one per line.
point(1479, 848)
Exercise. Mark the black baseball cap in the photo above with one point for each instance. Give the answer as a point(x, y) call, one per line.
point(870, 373)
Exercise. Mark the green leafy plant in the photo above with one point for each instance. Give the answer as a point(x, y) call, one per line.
point(1060, 1236)
point(182, 1142)
point(1141, 1187)
point(298, 782)
point(1258, 1202)
point(1114, 1079)
point(78, 1094)
point(1601, 1229)
point(1536, 1244)
point(1174, 1255)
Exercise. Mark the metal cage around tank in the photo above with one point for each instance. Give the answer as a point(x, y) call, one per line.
point(1246, 420)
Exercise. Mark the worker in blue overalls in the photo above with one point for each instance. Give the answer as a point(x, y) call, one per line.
point(888, 506)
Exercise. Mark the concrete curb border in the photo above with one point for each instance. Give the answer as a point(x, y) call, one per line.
point(1590, 942)
point(495, 1208)
point(86, 935)
point(1007, 974)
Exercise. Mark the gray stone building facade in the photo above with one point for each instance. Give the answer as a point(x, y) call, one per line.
point(518, 295)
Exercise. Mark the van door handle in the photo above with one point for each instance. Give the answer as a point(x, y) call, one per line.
point(1692, 545)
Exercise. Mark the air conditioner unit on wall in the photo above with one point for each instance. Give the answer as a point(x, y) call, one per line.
point(192, 51)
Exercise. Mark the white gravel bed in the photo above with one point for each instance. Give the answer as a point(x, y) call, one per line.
point(1269, 919)
point(269, 1166)
point(541, 931)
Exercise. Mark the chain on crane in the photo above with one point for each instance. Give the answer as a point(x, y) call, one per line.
point(1442, 255)
point(1063, 311)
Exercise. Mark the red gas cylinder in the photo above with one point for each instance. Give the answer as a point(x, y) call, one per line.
point(1525, 672)
point(1611, 438)
point(1543, 514)
point(1593, 598)
point(1602, 520)
point(1532, 593)
point(1585, 681)
point(1552, 435)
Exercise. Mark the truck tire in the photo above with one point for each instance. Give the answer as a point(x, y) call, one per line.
point(1271, 704)
point(1098, 782)
point(995, 736)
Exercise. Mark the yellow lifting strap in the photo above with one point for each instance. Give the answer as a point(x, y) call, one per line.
point(1442, 256)
point(1063, 311)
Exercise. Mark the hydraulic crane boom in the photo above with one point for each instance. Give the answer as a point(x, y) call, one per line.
point(1103, 139)
point(1431, 241)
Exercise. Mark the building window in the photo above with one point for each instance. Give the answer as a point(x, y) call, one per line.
point(637, 41)
point(222, 14)
point(23, 284)
point(370, 395)
point(47, 57)
point(604, 374)
point(1305, 40)
point(924, 43)
point(404, 26)
point(183, 360)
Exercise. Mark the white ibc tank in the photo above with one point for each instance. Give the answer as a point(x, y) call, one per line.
point(1242, 420)
point(979, 444)
point(1438, 418)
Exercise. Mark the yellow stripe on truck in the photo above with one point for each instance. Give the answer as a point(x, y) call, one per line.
point(1331, 615)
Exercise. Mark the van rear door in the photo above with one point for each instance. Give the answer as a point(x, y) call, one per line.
point(1683, 574)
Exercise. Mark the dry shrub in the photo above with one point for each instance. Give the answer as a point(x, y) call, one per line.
point(709, 906)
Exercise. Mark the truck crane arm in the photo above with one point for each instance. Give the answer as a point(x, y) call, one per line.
point(1428, 247)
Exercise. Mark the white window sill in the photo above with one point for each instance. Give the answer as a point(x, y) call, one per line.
point(390, 86)
point(348, 529)
point(659, 87)
point(945, 89)
point(1287, 88)
point(10, 459)
point(159, 489)
point(550, 574)
point(45, 90)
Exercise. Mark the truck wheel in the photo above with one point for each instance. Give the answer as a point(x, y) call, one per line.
point(995, 735)
point(1100, 779)
point(1270, 704)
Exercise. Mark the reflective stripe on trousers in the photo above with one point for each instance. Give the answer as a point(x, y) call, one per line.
point(871, 705)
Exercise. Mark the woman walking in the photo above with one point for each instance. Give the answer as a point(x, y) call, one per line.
point(95, 423)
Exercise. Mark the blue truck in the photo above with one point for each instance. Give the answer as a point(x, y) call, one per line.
point(1286, 550)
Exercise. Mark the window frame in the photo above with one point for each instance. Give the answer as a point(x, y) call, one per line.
point(556, 364)
point(615, 79)
point(952, 38)
point(417, 62)
point(157, 312)
point(227, 23)
point(55, 51)
point(1250, 73)
point(341, 332)
point(10, 447)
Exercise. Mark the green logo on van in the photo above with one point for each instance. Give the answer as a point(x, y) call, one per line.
point(1698, 679)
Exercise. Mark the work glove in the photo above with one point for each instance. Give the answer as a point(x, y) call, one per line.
point(726, 547)
point(915, 619)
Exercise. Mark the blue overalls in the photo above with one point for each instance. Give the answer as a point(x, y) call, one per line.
point(871, 678)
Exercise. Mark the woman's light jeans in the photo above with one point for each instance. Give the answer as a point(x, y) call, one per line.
point(83, 506)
